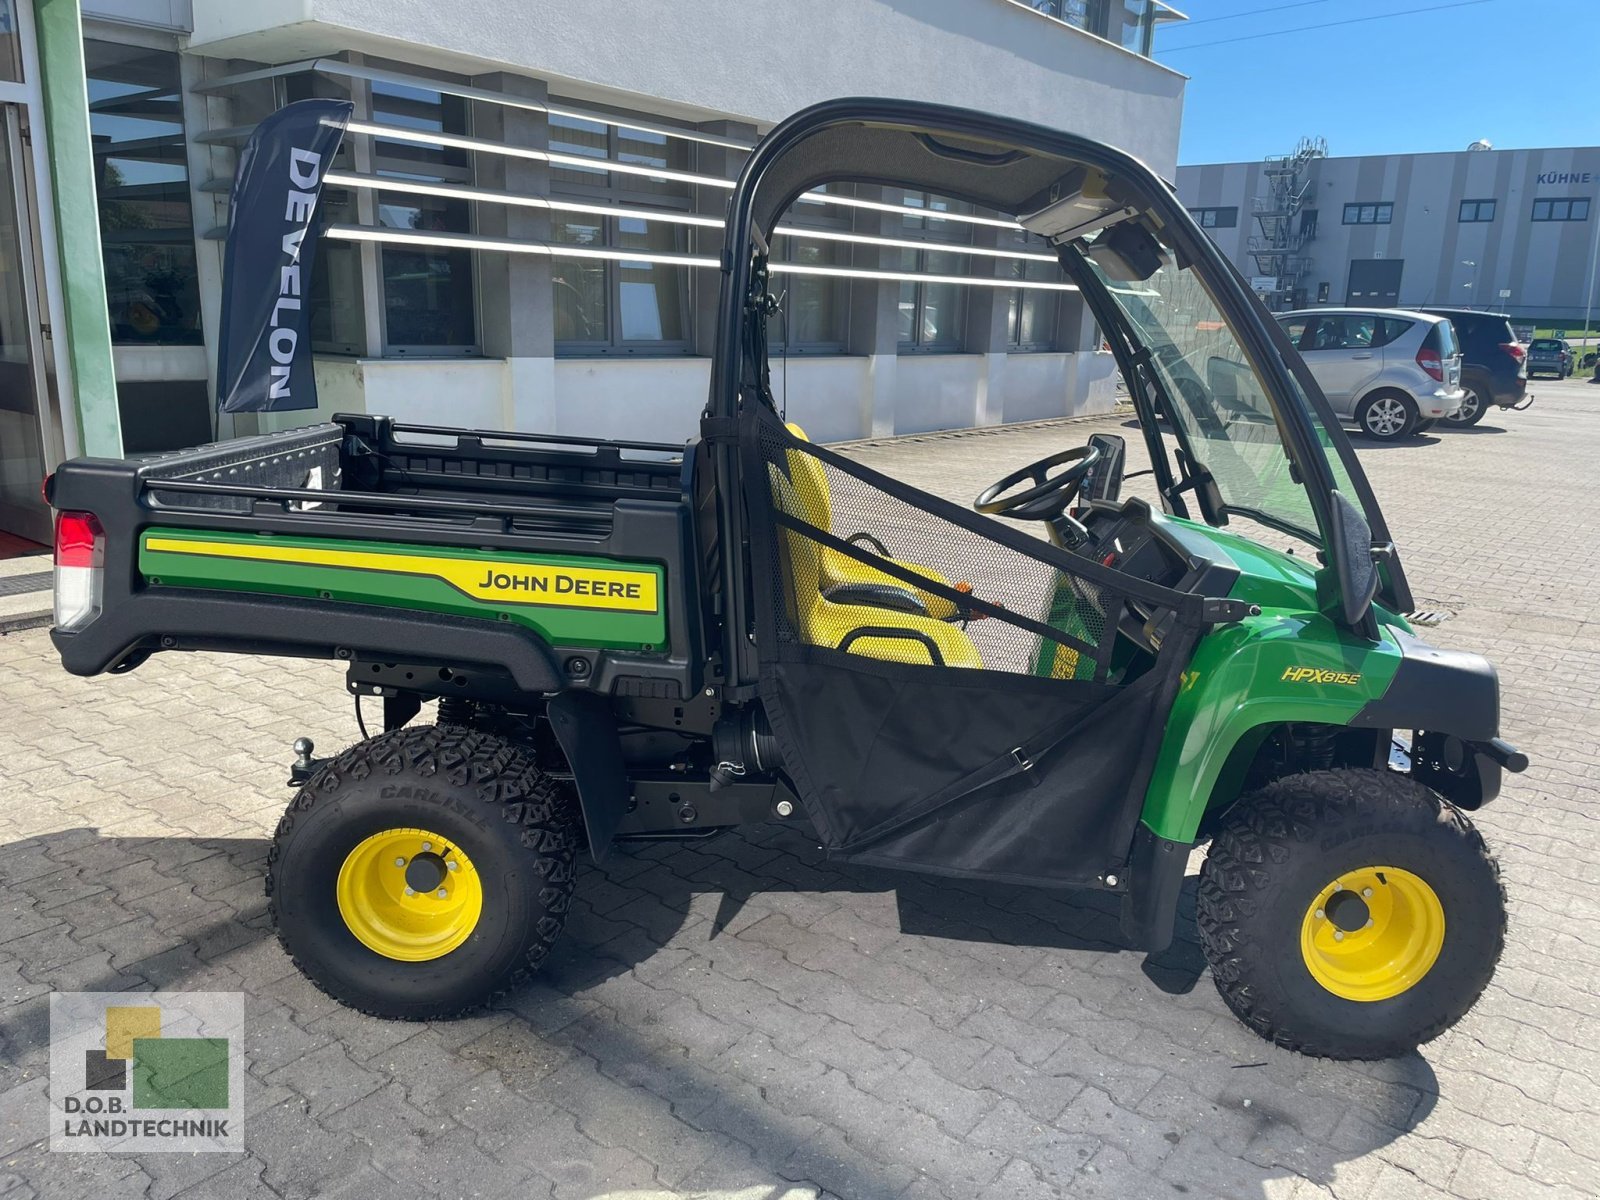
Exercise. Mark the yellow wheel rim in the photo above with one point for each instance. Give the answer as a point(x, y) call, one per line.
point(409, 894)
point(1372, 933)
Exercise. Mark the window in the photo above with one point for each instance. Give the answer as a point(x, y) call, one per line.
point(1295, 327)
point(1322, 292)
point(1031, 312)
point(1347, 331)
point(933, 313)
point(1368, 214)
point(1476, 211)
point(1561, 210)
point(631, 306)
point(1216, 218)
point(334, 295)
point(814, 317)
point(427, 291)
point(142, 187)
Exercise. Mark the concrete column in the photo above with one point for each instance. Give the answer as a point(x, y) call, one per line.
point(875, 314)
point(93, 383)
point(986, 333)
point(516, 317)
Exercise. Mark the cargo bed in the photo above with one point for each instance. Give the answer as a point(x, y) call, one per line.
point(409, 551)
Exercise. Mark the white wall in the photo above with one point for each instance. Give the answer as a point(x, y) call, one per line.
point(660, 400)
point(756, 61)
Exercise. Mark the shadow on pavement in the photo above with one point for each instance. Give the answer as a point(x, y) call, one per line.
point(81, 912)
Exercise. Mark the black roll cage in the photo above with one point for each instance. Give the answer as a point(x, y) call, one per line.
point(739, 364)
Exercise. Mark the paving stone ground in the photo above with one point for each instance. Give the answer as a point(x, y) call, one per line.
point(744, 1021)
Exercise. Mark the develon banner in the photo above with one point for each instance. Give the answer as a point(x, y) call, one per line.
point(264, 340)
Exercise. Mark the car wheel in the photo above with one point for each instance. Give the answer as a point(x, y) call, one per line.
point(425, 872)
point(1386, 416)
point(1474, 403)
point(1349, 914)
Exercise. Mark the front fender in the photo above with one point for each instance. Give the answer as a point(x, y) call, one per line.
point(1246, 679)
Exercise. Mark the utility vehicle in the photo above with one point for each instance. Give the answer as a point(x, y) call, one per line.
point(629, 641)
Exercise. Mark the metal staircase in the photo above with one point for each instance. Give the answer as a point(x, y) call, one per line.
point(1276, 248)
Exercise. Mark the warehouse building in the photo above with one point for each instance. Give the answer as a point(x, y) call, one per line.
point(1515, 231)
point(490, 141)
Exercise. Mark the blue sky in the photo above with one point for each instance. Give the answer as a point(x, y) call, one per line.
point(1516, 72)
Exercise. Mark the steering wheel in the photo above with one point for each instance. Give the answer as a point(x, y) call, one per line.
point(1049, 496)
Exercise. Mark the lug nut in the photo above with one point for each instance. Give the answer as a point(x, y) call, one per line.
point(1338, 935)
point(411, 891)
point(1370, 923)
point(785, 808)
point(1367, 892)
point(443, 894)
point(451, 864)
point(426, 846)
point(1321, 915)
point(399, 862)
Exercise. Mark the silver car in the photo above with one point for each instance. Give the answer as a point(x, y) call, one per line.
point(1390, 371)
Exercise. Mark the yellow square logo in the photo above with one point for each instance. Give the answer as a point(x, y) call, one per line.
point(123, 1025)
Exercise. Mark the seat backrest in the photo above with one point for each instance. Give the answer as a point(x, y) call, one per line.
point(810, 485)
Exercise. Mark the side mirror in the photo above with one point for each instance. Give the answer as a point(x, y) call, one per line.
point(1350, 555)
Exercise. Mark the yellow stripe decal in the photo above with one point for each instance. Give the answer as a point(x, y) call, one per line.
point(608, 589)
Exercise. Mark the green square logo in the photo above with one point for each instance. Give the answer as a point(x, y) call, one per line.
point(171, 1072)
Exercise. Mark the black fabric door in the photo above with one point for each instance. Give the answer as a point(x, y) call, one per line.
point(949, 693)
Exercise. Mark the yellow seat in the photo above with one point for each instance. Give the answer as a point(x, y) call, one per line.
point(816, 508)
point(822, 622)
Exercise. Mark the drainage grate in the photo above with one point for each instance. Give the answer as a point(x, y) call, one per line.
point(15, 585)
point(1428, 616)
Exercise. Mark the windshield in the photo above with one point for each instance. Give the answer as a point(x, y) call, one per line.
point(1223, 417)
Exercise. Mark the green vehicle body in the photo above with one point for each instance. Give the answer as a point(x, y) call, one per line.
point(1290, 664)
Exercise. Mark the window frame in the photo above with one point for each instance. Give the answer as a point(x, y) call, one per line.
point(1382, 212)
point(1020, 267)
point(786, 345)
point(1550, 203)
point(625, 190)
point(1216, 213)
point(1477, 217)
point(956, 234)
point(448, 173)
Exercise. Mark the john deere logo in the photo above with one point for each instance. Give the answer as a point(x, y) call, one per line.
point(145, 1071)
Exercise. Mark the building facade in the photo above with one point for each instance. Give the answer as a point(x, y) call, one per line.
point(524, 219)
point(1514, 231)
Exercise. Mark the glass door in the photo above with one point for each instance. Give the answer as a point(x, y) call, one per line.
point(23, 459)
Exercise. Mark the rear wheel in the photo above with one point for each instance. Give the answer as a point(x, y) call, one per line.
point(1350, 914)
point(1474, 403)
point(424, 872)
point(1387, 416)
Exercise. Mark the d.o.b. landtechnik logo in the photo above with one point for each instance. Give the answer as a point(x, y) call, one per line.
point(143, 1071)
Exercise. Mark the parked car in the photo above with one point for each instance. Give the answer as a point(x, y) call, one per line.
point(1494, 363)
point(1390, 371)
point(1550, 356)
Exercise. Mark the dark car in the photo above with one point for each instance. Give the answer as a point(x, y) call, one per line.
point(1550, 356)
point(1494, 364)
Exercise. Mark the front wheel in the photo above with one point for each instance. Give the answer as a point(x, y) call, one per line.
point(424, 872)
point(1350, 914)
point(1386, 416)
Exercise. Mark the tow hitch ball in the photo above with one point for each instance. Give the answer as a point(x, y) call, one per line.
point(304, 766)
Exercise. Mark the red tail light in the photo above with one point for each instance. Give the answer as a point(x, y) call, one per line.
point(1430, 362)
point(78, 540)
point(80, 557)
point(1515, 349)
